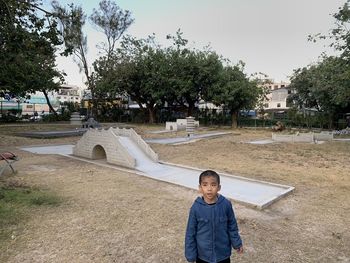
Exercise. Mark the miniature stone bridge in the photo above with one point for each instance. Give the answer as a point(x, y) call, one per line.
point(112, 145)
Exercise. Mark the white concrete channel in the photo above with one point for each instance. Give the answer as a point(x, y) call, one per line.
point(258, 194)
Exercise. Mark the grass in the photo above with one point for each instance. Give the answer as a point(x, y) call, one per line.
point(27, 196)
point(18, 203)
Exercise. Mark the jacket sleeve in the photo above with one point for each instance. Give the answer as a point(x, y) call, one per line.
point(233, 228)
point(190, 238)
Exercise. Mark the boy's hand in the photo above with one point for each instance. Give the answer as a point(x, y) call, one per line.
point(239, 250)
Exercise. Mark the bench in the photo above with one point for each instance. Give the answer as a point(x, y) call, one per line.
point(7, 158)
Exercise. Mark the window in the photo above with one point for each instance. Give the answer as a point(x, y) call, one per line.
point(275, 87)
point(278, 105)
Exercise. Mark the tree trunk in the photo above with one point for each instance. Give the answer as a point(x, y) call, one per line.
point(90, 81)
point(190, 109)
point(330, 121)
point(234, 119)
point(49, 103)
point(151, 114)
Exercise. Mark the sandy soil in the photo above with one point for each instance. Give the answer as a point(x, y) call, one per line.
point(113, 216)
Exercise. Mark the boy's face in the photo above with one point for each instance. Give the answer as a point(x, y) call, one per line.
point(209, 188)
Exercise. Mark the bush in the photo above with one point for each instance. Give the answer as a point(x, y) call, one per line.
point(59, 117)
point(249, 122)
point(8, 118)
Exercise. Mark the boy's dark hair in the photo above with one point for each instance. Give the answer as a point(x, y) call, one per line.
point(209, 173)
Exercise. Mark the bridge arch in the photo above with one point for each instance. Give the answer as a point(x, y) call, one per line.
point(98, 152)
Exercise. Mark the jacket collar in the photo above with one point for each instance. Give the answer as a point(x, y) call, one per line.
point(202, 202)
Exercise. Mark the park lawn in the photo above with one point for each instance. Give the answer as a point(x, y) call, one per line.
point(113, 216)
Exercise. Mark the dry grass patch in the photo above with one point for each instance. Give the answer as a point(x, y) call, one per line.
point(112, 216)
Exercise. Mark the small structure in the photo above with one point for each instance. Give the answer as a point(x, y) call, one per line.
point(109, 144)
point(179, 125)
point(190, 126)
point(75, 118)
point(324, 136)
point(91, 123)
point(303, 137)
point(278, 127)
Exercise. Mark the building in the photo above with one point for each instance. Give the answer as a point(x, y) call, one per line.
point(68, 93)
point(36, 103)
point(276, 99)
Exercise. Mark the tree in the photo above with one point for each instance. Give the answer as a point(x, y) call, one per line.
point(192, 73)
point(140, 71)
point(323, 86)
point(110, 19)
point(236, 92)
point(28, 42)
point(153, 75)
point(72, 20)
point(113, 22)
point(340, 33)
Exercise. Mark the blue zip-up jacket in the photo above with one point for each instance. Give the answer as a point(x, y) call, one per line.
point(211, 231)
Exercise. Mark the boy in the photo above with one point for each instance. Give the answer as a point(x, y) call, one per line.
point(212, 227)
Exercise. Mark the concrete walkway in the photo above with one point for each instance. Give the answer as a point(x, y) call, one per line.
point(180, 140)
point(262, 141)
point(252, 192)
point(53, 134)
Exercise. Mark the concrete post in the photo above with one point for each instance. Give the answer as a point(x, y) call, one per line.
point(190, 126)
point(75, 118)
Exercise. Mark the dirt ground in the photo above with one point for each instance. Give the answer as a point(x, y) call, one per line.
point(113, 216)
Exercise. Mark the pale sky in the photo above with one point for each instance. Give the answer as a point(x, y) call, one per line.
point(270, 36)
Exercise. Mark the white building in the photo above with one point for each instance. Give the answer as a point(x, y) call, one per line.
point(68, 93)
point(277, 98)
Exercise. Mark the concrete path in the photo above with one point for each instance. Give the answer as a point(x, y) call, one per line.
point(53, 134)
point(262, 141)
point(342, 139)
point(179, 140)
point(254, 193)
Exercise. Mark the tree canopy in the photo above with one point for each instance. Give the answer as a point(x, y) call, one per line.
point(325, 85)
point(113, 22)
point(236, 91)
point(176, 76)
point(152, 75)
point(109, 18)
point(28, 42)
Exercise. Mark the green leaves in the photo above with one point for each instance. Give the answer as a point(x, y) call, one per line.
point(28, 43)
point(324, 86)
point(236, 91)
point(175, 76)
point(112, 21)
